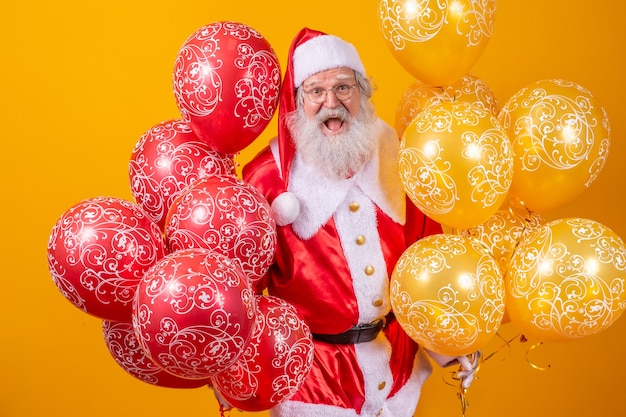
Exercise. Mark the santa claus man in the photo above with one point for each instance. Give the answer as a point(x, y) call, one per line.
point(343, 219)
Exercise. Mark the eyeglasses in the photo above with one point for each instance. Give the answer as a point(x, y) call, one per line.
point(343, 92)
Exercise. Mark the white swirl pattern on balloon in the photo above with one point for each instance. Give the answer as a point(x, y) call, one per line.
point(462, 310)
point(256, 99)
point(502, 232)
point(560, 129)
point(199, 63)
point(126, 350)
point(490, 178)
point(182, 319)
point(228, 215)
point(98, 252)
point(275, 362)
point(431, 186)
point(166, 159)
point(564, 291)
point(405, 21)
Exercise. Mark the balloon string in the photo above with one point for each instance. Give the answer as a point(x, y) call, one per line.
point(478, 360)
point(462, 392)
point(224, 411)
point(531, 363)
point(462, 395)
point(506, 344)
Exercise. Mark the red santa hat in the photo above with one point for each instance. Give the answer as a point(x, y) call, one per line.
point(310, 52)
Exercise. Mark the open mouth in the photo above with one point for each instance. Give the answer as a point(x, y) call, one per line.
point(334, 125)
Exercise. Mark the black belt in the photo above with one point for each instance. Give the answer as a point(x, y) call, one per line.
point(357, 334)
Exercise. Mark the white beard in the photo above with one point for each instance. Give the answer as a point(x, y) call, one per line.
point(338, 156)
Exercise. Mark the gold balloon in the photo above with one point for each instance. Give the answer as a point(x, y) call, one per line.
point(416, 98)
point(566, 281)
point(419, 96)
point(436, 41)
point(456, 163)
point(447, 293)
point(502, 232)
point(560, 136)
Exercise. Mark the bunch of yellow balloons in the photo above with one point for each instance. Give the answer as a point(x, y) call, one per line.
point(488, 173)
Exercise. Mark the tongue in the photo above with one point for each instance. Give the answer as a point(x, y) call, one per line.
point(333, 124)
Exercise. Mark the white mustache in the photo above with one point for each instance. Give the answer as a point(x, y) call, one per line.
point(340, 113)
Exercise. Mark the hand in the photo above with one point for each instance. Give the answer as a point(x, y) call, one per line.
point(469, 366)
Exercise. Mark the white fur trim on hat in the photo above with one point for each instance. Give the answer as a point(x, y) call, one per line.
point(322, 53)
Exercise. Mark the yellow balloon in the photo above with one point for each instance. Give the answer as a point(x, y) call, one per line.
point(502, 232)
point(560, 136)
point(456, 163)
point(566, 281)
point(447, 293)
point(416, 98)
point(436, 41)
point(419, 96)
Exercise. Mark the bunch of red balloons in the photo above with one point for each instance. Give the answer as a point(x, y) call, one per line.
point(172, 275)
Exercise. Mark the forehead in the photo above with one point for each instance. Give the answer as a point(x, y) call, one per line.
point(329, 76)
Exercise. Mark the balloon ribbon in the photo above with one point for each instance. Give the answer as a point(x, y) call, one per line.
point(532, 364)
point(224, 411)
point(478, 360)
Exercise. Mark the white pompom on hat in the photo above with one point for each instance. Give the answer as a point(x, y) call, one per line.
point(323, 53)
point(285, 208)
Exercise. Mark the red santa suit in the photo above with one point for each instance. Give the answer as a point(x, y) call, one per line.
point(333, 263)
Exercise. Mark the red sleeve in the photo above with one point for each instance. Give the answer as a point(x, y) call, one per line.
point(262, 173)
point(418, 225)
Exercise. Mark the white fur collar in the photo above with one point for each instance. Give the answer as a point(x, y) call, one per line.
point(320, 196)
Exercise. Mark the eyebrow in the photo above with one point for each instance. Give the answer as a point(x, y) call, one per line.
point(342, 76)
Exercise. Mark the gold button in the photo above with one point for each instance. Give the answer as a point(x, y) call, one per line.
point(369, 270)
point(360, 239)
point(377, 303)
point(354, 206)
point(380, 412)
point(382, 385)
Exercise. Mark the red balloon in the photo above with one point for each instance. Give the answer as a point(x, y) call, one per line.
point(227, 81)
point(165, 160)
point(228, 215)
point(125, 348)
point(194, 313)
point(274, 364)
point(98, 252)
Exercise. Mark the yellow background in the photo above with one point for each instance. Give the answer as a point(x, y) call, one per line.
point(82, 80)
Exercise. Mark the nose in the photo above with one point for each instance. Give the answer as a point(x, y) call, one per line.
point(331, 101)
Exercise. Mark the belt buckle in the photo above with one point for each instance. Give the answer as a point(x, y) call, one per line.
point(372, 325)
point(378, 323)
point(363, 329)
point(364, 332)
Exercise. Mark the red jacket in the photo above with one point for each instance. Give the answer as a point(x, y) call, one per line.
point(334, 263)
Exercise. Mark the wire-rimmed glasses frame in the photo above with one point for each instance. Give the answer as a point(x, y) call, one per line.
point(342, 92)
